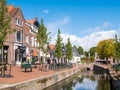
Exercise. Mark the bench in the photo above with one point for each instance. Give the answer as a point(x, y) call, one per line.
point(26, 66)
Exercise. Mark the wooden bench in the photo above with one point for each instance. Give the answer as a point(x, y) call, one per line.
point(26, 66)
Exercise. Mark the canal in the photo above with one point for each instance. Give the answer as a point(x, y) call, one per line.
point(86, 80)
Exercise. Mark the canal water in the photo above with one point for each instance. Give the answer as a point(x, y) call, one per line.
point(83, 81)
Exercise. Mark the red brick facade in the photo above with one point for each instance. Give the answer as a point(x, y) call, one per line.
point(21, 37)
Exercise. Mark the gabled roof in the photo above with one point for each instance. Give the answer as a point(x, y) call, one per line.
point(13, 10)
point(30, 21)
point(75, 52)
point(10, 8)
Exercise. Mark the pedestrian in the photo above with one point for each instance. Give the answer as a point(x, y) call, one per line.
point(28, 59)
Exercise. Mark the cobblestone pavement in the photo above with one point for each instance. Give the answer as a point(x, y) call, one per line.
point(18, 75)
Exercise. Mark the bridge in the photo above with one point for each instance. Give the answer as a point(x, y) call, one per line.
point(86, 66)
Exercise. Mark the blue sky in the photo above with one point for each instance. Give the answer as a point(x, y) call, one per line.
point(86, 22)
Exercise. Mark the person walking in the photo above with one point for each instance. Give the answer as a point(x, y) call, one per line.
point(28, 59)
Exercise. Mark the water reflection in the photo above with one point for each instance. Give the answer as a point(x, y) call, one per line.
point(83, 81)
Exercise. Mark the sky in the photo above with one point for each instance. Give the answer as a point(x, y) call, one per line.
point(85, 22)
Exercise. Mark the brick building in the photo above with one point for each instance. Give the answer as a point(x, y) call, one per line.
point(22, 41)
point(14, 40)
point(33, 44)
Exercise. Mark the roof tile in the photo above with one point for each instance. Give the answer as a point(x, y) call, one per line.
point(30, 21)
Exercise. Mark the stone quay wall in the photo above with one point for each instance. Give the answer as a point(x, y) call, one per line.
point(41, 82)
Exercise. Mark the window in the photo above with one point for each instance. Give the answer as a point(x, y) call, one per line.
point(27, 50)
point(19, 22)
point(35, 42)
point(32, 41)
point(18, 37)
point(27, 39)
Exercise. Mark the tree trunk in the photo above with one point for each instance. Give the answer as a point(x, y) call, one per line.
point(3, 66)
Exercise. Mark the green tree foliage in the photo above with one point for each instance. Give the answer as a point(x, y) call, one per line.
point(4, 22)
point(58, 46)
point(80, 50)
point(69, 52)
point(92, 51)
point(106, 48)
point(117, 48)
point(42, 36)
point(86, 53)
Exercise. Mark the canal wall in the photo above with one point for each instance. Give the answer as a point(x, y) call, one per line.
point(97, 69)
point(114, 80)
point(41, 82)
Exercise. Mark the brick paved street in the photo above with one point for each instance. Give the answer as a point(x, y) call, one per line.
point(18, 75)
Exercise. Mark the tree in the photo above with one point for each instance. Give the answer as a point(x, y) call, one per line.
point(92, 51)
point(80, 50)
point(69, 52)
point(58, 46)
point(117, 48)
point(86, 53)
point(5, 29)
point(42, 37)
point(106, 48)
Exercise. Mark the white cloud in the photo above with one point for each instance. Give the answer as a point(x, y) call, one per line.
point(90, 38)
point(45, 11)
point(87, 41)
point(96, 28)
point(53, 26)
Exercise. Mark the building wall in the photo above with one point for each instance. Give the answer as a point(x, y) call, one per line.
point(76, 59)
point(12, 44)
point(10, 41)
